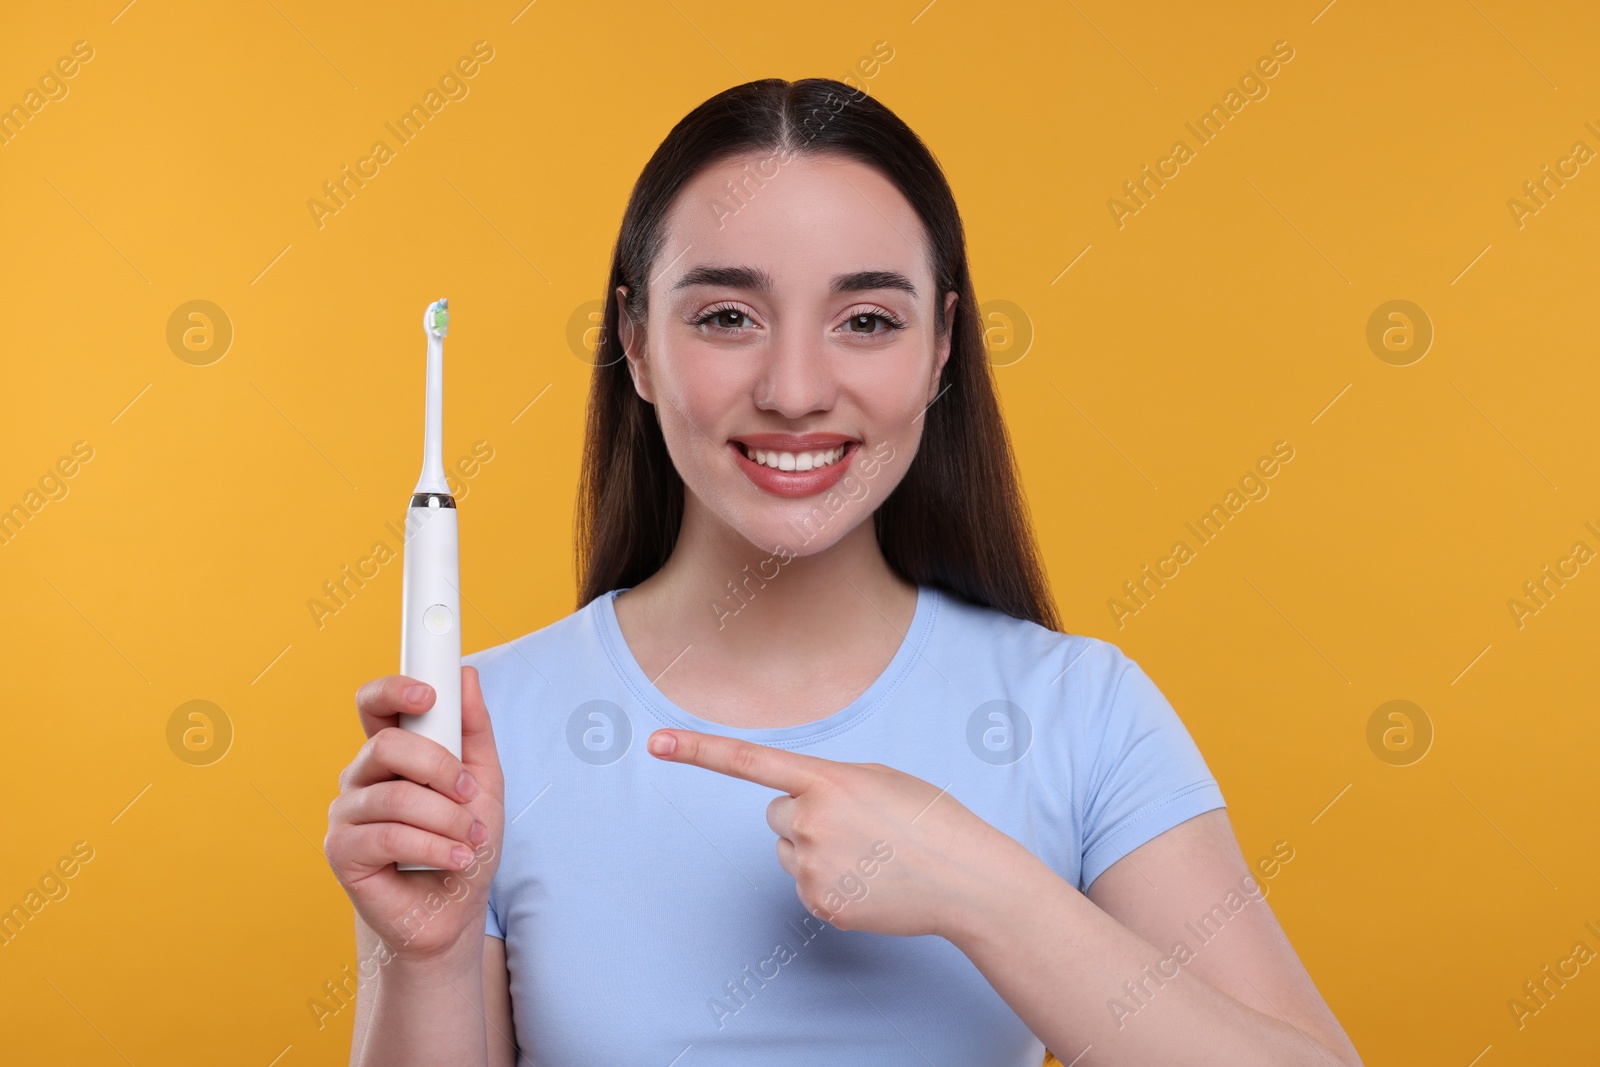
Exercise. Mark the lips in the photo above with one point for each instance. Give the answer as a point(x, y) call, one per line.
point(796, 482)
point(791, 442)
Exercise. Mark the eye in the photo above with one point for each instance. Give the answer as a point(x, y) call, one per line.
point(722, 318)
point(867, 318)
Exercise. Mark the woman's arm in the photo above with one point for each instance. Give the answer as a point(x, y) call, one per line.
point(1099, 979)
point(503, 1050)
point(412, 1011)
point(1059, 960)
point(495, 1006)
point(405, 799)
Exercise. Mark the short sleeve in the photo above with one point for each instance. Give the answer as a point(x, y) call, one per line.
point(491, 921)
point(1145, 776)
point(483, 661)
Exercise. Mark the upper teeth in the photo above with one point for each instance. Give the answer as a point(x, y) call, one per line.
point(795, 461)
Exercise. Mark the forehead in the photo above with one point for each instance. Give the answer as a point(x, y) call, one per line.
point(802, 222)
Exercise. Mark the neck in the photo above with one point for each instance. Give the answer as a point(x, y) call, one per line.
point(782, 610)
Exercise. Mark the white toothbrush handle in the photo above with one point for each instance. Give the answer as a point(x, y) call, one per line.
point(430, 626)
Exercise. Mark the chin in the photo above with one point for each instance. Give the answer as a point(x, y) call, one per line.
point(800, 527)
point(790, 515)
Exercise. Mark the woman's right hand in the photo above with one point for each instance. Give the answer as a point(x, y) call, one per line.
point(406, 799)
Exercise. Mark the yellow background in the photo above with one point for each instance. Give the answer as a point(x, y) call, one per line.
point(1228, 314)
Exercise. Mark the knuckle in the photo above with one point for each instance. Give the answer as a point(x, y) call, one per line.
point(392, 802)
point(383, 746)
point(388, 800)
point(446, 768)
point(802, 823)
point(820, 820)
point(410, 803)
point(830, 778)
point(746, 759)
point(391, 836)
point(369, 694)
point(373, 803)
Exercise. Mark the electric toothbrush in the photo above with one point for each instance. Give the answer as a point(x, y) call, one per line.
point(430, 631)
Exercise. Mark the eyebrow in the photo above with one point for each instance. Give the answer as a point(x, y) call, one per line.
point(759, 280)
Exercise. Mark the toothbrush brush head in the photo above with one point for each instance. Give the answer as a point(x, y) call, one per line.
point(437, 319)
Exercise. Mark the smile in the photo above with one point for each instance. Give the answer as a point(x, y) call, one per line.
point(791, 472)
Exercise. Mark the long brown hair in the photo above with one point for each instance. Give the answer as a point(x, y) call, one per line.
point(957, 520)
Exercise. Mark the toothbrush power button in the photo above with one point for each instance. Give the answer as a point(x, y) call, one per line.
point(438, 619)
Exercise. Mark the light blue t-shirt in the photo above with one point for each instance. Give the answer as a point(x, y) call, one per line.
point(646, 917)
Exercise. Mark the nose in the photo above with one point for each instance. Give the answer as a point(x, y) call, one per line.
point(797, 377)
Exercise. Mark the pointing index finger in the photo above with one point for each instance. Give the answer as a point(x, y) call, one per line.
point(791, 772)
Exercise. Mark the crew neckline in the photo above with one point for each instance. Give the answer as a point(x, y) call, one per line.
point(671, 715)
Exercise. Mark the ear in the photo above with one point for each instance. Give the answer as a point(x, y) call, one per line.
point(942, 356)
point(632, 337)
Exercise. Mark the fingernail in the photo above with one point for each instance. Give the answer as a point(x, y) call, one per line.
point(663, 744)
point(466, 786)
point(461, 855)
point(479, 833)
point(416, 694)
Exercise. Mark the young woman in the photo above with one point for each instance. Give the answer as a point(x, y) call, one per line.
point(810, 776)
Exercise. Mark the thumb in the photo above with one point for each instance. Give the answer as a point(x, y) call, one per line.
point(478, 750)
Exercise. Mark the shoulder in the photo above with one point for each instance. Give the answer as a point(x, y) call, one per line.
point(1090, 703)
point(1079, 668)
point(540, 657)
point(1098, 729)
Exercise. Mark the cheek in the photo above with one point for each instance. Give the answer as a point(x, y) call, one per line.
point(697, 393)
point(891, 401)
point(891, 393)
point(701, 379)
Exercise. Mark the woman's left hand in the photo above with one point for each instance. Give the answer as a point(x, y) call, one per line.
point(869, 847)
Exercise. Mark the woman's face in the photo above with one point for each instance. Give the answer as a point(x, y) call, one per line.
point(794, 320)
